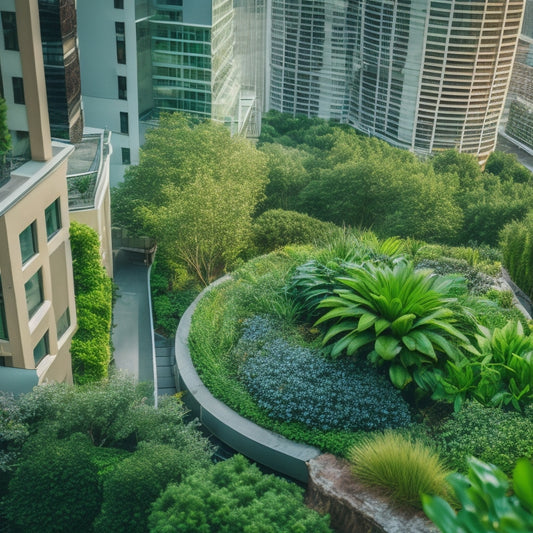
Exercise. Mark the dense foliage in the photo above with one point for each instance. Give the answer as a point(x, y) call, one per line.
point(194, 190)
point(335, 174)
point(294, 383)
point(67, 444)
point(517, 248)
point(130, 489)
point(485, 503)
point(65, 478)
point(234, 496)
point(91, 344)
point(172, 291)
point(491, 434)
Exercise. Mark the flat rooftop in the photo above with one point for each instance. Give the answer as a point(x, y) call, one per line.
point(27, 176)
point(83, 158)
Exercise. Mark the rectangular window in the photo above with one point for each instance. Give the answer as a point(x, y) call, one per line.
point(34, 293)
point(119, 4)
point(18, 90)
point(9, 25)
point(122, 88)
point(121, 42)
point(63, 323)
point(124, 123)
point(3, 324)
point(53, 219)
point(126, 160)
point(41, 349)
point(28, 242)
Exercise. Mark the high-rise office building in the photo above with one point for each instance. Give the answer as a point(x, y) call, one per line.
point(519, 117)
point(61, 67)
point(141, 58)
point(424, 75)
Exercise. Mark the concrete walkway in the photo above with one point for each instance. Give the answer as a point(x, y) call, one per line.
point(132, 335)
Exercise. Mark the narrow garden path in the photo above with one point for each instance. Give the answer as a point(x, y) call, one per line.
point(131, 332)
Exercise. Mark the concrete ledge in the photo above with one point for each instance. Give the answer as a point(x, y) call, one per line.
point(261, 445)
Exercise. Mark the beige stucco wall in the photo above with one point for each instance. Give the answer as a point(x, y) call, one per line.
point(57, 282)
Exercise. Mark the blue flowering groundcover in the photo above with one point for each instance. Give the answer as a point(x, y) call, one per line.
point(298, 384)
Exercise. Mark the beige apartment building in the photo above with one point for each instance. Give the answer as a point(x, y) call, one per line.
point(37, 306)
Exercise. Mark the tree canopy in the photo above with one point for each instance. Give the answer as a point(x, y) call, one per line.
point(194, 190)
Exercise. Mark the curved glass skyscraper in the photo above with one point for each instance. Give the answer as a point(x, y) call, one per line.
point(425, 75)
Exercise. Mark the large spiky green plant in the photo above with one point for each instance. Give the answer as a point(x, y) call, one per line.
point(399, 315)
point(499, 371)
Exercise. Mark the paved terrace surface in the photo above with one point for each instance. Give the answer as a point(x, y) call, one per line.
point(131, 334)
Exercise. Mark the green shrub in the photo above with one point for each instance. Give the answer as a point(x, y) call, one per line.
point(491, 434)
point(91, 344)
point(277, 227)
point(487, 506)
point(400, 313)
point(516, 241)
point(402, 467)
point(55, 488)
point(135, 483)
point(234, 496)
point(117, 412)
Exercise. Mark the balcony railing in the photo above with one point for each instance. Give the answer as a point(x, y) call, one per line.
point(82, 187)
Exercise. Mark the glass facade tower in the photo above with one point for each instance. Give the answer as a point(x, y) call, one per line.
point(193, 67)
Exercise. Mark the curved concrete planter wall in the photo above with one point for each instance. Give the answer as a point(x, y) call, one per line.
point(253, 441)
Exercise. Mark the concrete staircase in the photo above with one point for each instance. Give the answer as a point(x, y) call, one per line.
point(165, 360)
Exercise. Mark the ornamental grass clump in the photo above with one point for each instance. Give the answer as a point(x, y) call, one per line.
point(401, 467)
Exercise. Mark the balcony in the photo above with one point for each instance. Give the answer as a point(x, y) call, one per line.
point(85, 168)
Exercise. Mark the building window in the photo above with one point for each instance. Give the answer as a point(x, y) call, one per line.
point(121, 42)
point(34, 293)
point(18, 90)
point(41, 349)
point(126, 159)
point(3, 324)
point(28, 242)
point(53, 219)
point(63, 323)
point(9, 25)
point(119, 4)
point(122, 88)
point(124, 125)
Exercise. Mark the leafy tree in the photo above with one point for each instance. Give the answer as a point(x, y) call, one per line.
point(234, 496)
point(55, 487)
point(194, 190)
point(287, 176)
point(465, 166)
point(507, 167)
point(130, 489)
point(491, 205)
point(91, 344)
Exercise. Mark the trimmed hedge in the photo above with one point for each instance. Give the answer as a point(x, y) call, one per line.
point(91, 345)
point(277, 227)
